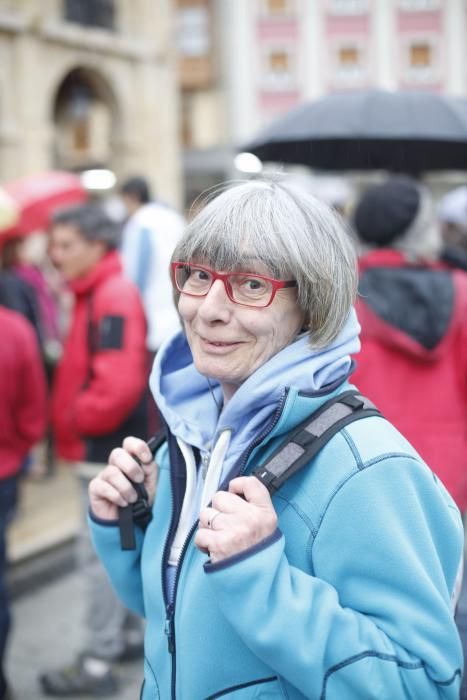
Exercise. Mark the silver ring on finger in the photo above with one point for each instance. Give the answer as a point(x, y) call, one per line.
point(212, 518)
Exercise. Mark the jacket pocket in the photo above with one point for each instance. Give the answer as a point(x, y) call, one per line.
point(259, 689)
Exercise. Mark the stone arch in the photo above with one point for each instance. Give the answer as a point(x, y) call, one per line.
point(87, 118)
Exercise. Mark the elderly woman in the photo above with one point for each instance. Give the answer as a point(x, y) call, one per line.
point(340, 585)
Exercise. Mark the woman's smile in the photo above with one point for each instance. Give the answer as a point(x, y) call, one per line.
point(218, 345)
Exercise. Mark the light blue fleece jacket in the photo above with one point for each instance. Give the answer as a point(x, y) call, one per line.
point(348, 599)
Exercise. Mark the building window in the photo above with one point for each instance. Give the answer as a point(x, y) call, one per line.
point(279, 63)
point(420, 56)
point(348, 64)
point(194, 44)
point(279, 69)
point(277, 8)
point(349, 57)
point(421, 61)
point(278, 73)
point(193, 30)
point(348, 7)
point(91, 13)
point(419, 5)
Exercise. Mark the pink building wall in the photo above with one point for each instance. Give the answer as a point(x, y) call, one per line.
point(357, 30)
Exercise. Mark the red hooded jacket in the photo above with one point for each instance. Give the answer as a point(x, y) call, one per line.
point(413, 361)
point(23, 404)
point(103, 372)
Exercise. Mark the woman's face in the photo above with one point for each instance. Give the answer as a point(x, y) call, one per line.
point(229, 341)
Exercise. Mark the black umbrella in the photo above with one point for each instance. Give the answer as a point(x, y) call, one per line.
point(369, 130)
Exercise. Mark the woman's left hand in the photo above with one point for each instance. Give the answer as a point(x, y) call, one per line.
point(238, 519)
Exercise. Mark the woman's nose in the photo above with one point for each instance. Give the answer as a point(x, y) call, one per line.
point(216, 303)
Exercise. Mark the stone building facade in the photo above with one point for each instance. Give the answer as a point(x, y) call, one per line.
point(90, 83)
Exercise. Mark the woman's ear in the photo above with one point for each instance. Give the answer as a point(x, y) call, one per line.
point(305, 327)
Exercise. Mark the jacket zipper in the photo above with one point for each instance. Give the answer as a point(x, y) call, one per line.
point(170, 607)
point(170, 610)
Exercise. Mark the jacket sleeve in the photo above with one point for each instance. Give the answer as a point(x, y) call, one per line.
point(31, 409)
point(375, 618)
point(123, 567)
point(118, 365)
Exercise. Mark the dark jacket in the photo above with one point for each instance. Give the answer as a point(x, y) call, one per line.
point(16, 294)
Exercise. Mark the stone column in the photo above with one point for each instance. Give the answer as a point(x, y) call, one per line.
point(152, 119)
point(455, 19)
point(384, 44)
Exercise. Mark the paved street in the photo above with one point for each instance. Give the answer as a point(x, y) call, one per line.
point(47, 635)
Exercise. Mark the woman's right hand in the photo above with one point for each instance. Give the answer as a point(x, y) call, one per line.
point(112, 489)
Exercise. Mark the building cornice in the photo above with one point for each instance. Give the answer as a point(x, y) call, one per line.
point(12, 22)
point(73, 36)
point(100, 41)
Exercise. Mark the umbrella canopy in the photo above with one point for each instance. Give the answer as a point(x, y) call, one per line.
point(369, 130)
point(40, 195)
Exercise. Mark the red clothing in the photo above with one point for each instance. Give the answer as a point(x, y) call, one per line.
point(97, 388)
point(413, 361)
point(23, 403)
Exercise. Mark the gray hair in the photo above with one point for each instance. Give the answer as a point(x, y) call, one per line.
point(293, 234)
point(92, 223)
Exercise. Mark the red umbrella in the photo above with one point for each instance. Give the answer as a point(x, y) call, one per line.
point(40, 195)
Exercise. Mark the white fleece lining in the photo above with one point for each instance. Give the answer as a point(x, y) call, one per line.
point(215, 468)
point(184, 522)
point(210, 487)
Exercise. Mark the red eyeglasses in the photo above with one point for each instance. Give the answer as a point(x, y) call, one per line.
point(245, 288)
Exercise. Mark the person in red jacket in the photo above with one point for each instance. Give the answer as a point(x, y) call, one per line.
point(23, 415)
point(413, 313)
point(98, 397)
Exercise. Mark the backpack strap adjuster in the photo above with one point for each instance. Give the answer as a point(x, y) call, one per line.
point(139, 513)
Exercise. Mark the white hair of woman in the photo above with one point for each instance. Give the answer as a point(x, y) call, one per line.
point(294, 235)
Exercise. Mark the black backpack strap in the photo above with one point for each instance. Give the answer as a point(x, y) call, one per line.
point(138, 513)
point(305, 441)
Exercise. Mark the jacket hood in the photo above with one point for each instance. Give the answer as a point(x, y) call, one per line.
point(190, 406)
point(405, 305)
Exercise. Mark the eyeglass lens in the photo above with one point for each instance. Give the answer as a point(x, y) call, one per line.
point(245, 288)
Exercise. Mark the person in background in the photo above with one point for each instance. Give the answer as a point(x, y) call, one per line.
point(413, 313)
point(23, 413)
point(340, 583)
point(98, 395)
point(17, 294)
point(452, 213)
point(149, 237)
point(25, 256)
point(25, 259)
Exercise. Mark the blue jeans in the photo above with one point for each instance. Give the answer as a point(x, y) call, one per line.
point(8, 496)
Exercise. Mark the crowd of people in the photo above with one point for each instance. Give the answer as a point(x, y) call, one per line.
point(342, 583)
point(94, 334)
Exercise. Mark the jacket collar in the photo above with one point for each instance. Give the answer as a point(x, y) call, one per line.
point(107, 266)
